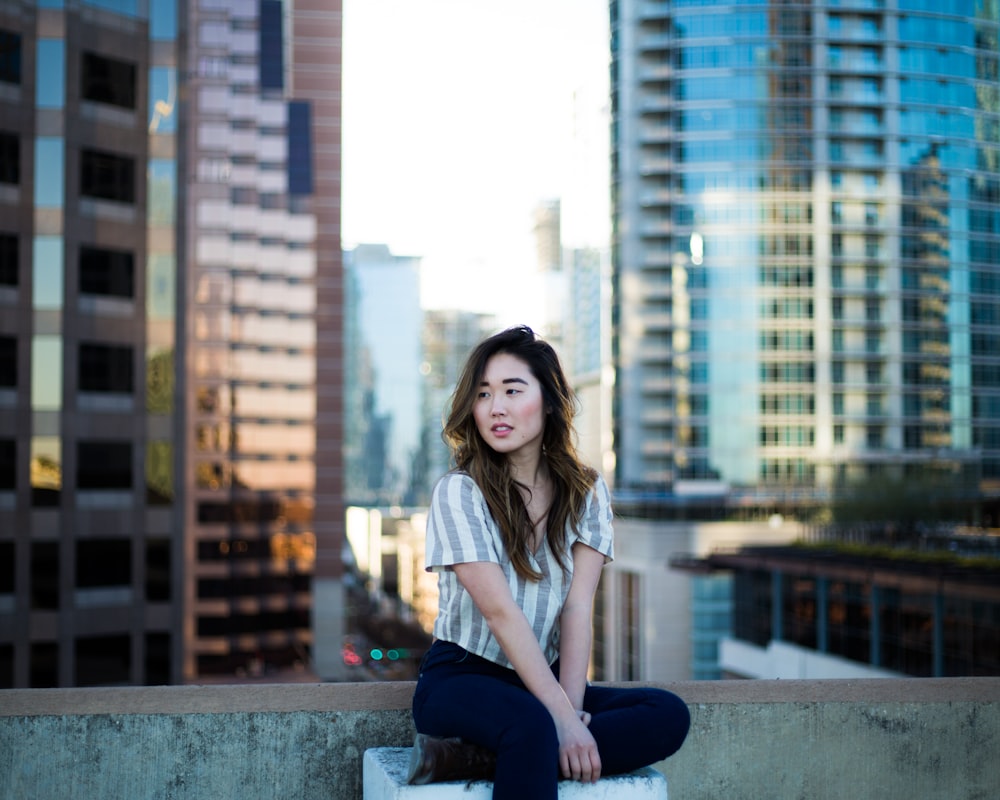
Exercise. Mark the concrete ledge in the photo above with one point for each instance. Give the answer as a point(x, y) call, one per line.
point(385, 779)
point(825, 740)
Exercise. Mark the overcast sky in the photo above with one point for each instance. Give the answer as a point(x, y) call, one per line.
point(457, 121)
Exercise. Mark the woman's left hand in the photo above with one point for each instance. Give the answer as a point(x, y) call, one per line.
point(578, 756)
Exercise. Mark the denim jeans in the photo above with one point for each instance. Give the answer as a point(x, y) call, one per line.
point(461, 694)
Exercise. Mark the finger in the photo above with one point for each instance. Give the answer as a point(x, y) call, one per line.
point(564, 765)
point(595, 770)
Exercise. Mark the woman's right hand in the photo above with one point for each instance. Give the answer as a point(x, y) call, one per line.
point(578, 756)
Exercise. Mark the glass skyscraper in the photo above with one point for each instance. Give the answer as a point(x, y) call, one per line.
point(806, 246)
point(170, 340)
point(89, 363)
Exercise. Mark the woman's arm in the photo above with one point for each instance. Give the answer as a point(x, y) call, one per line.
point(576, 623)
point(485, 582)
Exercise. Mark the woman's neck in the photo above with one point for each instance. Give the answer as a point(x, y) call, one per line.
point(531, 472)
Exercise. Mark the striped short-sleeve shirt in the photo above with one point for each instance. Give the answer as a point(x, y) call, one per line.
point(460, 529)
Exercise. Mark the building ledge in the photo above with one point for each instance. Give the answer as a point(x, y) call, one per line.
point(798, 738)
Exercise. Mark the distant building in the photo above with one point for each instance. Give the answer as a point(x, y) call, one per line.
point(263, 351)
point(385, 387)
point(448, 338)
point(831, 612)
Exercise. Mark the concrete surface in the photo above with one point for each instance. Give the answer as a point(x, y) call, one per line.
point(385, 779)
point(907, 739)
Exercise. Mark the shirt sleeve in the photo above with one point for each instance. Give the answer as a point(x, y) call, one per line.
point(459, 527)
point(596, 529)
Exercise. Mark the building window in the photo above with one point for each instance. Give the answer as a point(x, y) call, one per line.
point(44, 665)
point(108, 80)
point(8, 362)
point(105, 368)
point(103, 562)
point(104, 465)
point(44, 577)
point(873, 437)
point(107, 272)
point(106, 176)
point(103, 660)
point(158, 570)
point(300, 166)
point(9, 259)
point(10, 57)
point(272, 61)
point(872, 310)
point(8, 466)
point(10, 158)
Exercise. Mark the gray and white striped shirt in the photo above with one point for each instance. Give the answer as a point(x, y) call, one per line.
point(460, 529)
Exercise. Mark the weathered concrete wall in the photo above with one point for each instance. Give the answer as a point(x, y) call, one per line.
point(890, 739)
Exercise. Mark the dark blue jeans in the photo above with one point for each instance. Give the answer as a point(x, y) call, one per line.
point(461, 694)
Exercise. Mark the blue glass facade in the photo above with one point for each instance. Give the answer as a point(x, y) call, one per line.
point(805, 244)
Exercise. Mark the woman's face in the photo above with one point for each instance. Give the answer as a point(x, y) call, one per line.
point(509, 409)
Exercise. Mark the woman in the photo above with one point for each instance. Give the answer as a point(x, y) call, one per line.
point(518, 533)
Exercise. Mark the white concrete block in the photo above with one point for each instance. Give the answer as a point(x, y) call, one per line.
point(385, 779)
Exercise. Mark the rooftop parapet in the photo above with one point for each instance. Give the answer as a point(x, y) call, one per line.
point(892, 739)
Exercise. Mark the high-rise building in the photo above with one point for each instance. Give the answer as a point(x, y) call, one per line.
point(256, 204)
point(90, 503)
point(806, 204)
point(170, 286)
point(385, 386)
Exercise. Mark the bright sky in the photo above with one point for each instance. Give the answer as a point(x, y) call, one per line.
point(457, 121)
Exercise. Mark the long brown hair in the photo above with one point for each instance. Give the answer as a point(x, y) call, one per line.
point(571, 479)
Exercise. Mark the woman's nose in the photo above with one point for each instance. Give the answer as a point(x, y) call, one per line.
point(497, 407)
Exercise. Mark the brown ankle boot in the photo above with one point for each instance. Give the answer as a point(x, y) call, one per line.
point(434, 759)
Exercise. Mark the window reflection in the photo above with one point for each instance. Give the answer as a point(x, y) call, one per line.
point(49, 172)
point(162, 100)
point(46, 470)
point(160, 380)
point(159, 472)
point(213, 399)
point(46, 373)
point(162, 187)
point(47, 284)
point(162, 20)
point(50, 88)
point(161, 284)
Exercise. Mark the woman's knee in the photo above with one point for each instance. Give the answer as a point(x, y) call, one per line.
point(675, 719)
